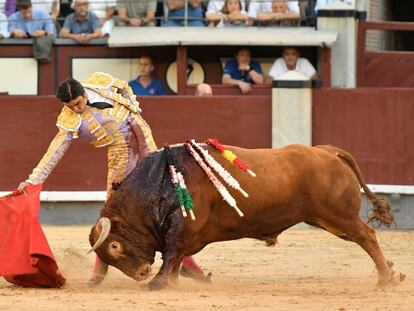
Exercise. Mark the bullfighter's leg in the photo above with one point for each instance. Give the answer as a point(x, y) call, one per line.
point(99, 272)
point(190, 269)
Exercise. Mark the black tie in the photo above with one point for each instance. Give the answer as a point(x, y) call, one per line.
point(100, 105)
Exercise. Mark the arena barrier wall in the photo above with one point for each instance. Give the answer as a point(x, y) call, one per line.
point(374, 124)
point(28, 125)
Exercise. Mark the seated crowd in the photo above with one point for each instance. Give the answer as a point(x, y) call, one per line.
point(241, 71)
point(83, 20)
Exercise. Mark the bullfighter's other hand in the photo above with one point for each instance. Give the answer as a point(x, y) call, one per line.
point(22, 186)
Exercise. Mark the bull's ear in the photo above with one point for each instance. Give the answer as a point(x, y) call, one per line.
point(115, 220)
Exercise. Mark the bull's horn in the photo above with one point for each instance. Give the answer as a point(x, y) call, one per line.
point(105, 224)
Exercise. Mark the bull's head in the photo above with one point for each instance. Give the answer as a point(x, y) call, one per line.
point(118, 246)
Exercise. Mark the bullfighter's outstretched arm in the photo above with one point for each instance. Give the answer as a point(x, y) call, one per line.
point(51, 158)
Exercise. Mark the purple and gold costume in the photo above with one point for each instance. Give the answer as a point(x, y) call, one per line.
point(121, 128)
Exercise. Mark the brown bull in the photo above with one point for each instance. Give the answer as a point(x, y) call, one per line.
point(316, 185)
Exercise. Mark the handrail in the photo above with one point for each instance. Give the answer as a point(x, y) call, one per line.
point(402, 26)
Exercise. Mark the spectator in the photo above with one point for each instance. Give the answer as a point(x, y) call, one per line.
point(215, 6)
point(137, 13)
point(105, 10)
point(243, 71)
point(82, 25)
point(27, 22)
point(3, 6)
point(280, 15)
point(49, 6)
point(308, 10)
point(231, 15)
point(320, 4)
point(65, 9)
point(176, 12)
point(3, 26)
point(9, 7)
point(145, 84)
point(289, 61)
point(203, 89)
point(266, 6)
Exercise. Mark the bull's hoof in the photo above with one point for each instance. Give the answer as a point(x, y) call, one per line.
point(96, 280)
point(196, 275)
point(387, 281)
point(157, 284)
point(391, 280)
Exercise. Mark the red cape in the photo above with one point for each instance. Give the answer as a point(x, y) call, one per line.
point(25, 255)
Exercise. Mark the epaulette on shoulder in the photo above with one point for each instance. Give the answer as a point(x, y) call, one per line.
point(99, 80)
point(68, 120)
point(120, 84)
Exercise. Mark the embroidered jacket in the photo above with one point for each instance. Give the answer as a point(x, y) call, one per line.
point(107, 127)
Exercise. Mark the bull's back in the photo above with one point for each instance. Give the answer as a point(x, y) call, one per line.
point(292, 184)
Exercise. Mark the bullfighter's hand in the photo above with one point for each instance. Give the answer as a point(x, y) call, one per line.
point(21, 187)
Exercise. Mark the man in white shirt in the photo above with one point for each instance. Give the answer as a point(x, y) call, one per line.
point(105, 10)
point(49, 6)
point(266, 6)
point(291, 61)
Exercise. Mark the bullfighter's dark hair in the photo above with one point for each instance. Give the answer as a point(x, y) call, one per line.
point(23, 5)
point(69, 89)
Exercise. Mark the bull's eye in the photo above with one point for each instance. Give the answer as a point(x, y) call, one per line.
point(115, 249)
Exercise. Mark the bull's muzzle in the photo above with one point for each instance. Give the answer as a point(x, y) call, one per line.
point(143, 272)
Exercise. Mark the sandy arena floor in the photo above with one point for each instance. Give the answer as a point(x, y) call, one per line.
point(307, 270)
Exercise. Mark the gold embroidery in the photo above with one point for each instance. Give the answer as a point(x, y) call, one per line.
point(99, 80)
point(102, 137)
point(107, 86)
point(131, 104)
point(117, 162)
point(69, 120)
point(146, 130)
point(120, 113)
point(52, 152)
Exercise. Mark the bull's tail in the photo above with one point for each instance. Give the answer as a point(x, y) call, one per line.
point(381, 212)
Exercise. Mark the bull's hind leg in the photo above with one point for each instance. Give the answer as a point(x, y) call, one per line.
point(365, 237)
point(359, 232)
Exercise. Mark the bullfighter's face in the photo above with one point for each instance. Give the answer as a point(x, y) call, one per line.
point(78, 104)
point(123, 249)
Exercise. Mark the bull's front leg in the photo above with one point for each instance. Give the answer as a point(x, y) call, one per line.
point(172, 255)
point(168, 272)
